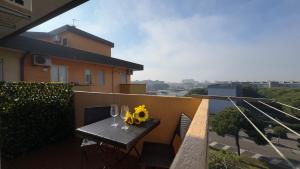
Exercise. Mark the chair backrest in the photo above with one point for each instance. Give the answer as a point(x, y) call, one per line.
point(94, 114)
point(182, 127)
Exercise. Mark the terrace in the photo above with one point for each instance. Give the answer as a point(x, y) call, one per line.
point(191, 152)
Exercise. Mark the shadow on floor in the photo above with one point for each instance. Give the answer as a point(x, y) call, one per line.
point(67, 155)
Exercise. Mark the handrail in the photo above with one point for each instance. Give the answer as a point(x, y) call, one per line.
point(234, 98)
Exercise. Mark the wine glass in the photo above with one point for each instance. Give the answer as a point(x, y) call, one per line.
point(124, 110)
point(114, 113)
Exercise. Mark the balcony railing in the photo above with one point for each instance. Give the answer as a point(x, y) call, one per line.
point(133, 88)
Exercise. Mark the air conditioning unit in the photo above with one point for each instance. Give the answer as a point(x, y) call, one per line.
point(129, 72)
point(41, 60)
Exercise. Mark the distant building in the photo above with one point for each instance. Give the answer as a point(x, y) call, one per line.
point(216, 106)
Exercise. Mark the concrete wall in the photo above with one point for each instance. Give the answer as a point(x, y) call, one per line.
point(76, 70)
point(11, 64)
point(193, 151)
point(133, 88)
point(167, 109)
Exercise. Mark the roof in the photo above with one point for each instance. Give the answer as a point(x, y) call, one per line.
point(73, 29)
point(37, 35)
point(46, 48)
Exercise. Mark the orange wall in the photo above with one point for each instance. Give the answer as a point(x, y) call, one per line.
point(82, 43)
point(75, 74)
point(165, 108)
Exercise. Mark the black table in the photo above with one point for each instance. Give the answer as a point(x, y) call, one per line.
point(102, 131)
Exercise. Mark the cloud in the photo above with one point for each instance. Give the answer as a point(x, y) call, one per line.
point(214, 41)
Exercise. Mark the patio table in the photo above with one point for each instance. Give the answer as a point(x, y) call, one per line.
point(102, 131)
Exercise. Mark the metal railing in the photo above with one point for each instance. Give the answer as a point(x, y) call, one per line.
point(262, 101)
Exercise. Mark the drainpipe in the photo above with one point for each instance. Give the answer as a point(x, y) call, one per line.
point(22, 66)
point(112, 80)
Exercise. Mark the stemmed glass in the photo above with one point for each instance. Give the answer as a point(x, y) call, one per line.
point(124, 110)
point(114, 113)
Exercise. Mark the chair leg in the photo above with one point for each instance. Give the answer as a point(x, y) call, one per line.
point(84, 157)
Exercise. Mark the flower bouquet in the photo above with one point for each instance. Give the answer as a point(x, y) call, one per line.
point(139, 116)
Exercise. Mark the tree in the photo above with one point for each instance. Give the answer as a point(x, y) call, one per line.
point(200, 91)
point(279, 132)
point(230, 121)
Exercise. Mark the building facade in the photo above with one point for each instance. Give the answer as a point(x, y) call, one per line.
point(67, 55)
point(216, 106)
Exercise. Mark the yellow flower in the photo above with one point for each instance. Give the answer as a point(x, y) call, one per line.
point(136, 121)
point(141, 113)
point(129, 118)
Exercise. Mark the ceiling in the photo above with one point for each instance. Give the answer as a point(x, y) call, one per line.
point(15, 20)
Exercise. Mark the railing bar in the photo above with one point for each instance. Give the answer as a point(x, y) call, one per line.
point(291, 130)
point(279, 110)
point(236, 98)
point(272, 145)
point(289, 106)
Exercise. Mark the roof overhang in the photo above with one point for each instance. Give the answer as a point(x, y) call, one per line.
point(45, 48)
point(16, 18)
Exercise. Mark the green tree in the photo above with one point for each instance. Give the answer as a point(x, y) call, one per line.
point(279, 132)
point(230, 121)
point(200, 91)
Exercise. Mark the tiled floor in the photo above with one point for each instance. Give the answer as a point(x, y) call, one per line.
point(67, 155)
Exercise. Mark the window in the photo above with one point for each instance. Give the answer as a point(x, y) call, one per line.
point(101, 75)
point(1, 70)
point(59, 73)
point(88, 76)
point(123, 78)
point(65, 42)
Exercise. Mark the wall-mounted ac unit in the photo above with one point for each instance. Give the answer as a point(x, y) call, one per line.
point(129, 72)
point(41, 60)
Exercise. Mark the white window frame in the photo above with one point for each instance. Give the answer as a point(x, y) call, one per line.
point(58, 74)
point(86, 81)
point(121, 78)
point(62, 42)
point(101, 81)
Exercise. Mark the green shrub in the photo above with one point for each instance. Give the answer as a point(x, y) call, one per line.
point(33, 115)
point(223, 159)
point(280, 132)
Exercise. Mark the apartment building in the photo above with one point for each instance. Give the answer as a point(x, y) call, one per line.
point(66, 54)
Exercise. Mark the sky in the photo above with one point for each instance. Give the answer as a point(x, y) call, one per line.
point(234, 40)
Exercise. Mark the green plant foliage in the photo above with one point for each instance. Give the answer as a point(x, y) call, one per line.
point(33, 115)
point(200, 91)
point(220, 159)
point(280, 132)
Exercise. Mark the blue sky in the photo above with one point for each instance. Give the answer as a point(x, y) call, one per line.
point(201, 39)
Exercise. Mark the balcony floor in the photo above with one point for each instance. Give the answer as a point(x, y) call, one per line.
point(67, 155)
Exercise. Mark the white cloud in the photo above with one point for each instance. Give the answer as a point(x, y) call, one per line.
point(204, 47)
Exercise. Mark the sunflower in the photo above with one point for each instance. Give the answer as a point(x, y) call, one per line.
point(129, 118)
point(136, 121)
point(141, 113)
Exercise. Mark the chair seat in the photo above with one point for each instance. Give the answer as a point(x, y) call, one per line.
point(157, 155)
point(86, 142)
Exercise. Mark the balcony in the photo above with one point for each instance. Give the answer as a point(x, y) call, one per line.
point(191, 152)
point(133, 88)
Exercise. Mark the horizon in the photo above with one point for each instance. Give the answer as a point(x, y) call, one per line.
point(204, 40)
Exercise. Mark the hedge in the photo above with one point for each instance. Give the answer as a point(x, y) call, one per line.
point(33, 115)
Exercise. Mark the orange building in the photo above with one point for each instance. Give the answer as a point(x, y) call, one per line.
point(70, 55)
